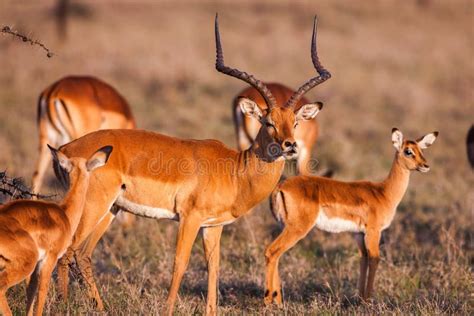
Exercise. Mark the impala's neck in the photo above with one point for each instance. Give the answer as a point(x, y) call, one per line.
point(257, 173)
point(74, 201)
point(396, 183)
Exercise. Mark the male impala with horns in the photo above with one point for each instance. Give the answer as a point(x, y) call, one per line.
point(207, 200)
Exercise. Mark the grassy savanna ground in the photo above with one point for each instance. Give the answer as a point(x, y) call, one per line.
point(394, 63)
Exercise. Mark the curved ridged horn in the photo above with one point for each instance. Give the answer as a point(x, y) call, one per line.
point(313, 82)
point(254, 82)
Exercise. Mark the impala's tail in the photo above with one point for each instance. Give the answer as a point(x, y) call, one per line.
point(61, 120)
point(278, 207)
point(55, 119)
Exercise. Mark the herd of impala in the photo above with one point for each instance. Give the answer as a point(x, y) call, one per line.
point(109, 168)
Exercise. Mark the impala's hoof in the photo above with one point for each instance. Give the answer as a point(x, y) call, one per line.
point(278, 298)
point(273, 297)
point(268, 300)
point(99, 306)
point(211, 311)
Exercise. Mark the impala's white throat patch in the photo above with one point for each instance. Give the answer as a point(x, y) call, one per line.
point(145, 210)
point(41, 254)
point(336, 224)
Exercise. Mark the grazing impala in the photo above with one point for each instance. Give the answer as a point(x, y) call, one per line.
point(34, 234)
point(200, 183)
point(72, 107)
point(246, 128)
point(363, 208)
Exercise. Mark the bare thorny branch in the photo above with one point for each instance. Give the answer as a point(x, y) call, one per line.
point(15, 188)
point(26, 39)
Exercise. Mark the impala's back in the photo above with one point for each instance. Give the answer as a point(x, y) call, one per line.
point(26, 226)
point(75, 106)
point(72, 107)
point(295, 199)
point(158, 176)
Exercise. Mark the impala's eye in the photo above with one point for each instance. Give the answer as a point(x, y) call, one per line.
point(296, 124)
point(267, 124)
point(408, 152)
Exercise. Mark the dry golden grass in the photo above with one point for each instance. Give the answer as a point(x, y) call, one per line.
point(394, 63)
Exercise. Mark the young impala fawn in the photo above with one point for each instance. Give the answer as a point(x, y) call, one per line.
point(363, 208)
point(35, 234)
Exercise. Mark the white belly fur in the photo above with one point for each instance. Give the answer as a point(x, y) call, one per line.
point(144, 210)
point(335, 224)
point(211, 222)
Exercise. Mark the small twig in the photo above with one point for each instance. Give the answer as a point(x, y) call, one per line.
point(24, 38)
point(16, 189)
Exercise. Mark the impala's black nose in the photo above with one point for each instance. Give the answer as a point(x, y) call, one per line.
point(289, 147)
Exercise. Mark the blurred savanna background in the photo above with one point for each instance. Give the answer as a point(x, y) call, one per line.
point(405, 64)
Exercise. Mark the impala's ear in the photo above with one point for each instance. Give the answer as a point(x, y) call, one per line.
point(61, 159)
point(309, 111)
point(250, 108)
point(397, 138)
point(427, 140)
point(99, 158)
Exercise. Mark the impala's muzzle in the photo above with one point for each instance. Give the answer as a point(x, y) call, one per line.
point(290, 149)
point(423, 168)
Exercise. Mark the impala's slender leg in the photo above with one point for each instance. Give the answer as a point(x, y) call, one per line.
point(18, 266)
point(44, 278)
point(5, 309)
point(372, 241)
point(63, 272)
point(84, 258)
point(99, 200)
point(364, 260)
point(287, 239)
point(32, 290)
point(84, 264)
point(188, 229)
point(96, 213)
point(42, 165)
point(211, 240)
